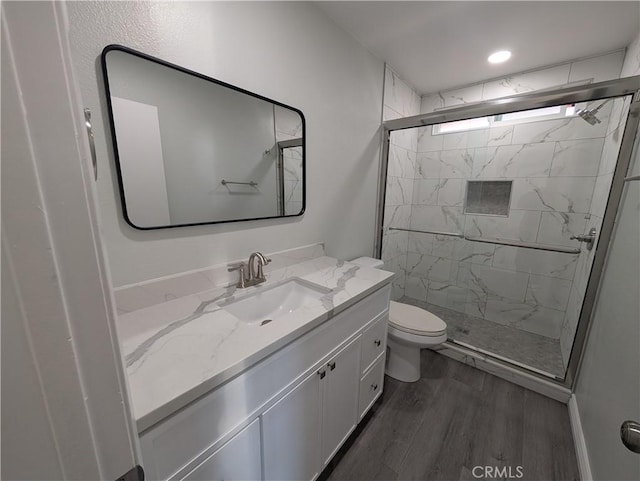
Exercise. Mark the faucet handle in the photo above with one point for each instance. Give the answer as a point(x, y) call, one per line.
point(240, 267)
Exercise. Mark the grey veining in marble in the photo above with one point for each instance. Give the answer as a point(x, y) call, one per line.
point(178, 350)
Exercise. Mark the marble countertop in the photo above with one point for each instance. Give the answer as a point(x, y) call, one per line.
point(179, 350)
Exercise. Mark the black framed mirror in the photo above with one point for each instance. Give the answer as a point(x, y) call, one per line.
point(193, 150)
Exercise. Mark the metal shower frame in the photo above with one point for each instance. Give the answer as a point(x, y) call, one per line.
point(629, 86)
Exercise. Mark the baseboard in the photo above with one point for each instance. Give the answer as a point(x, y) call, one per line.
point(579, 441)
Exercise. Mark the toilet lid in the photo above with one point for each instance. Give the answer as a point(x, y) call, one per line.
point(415, 320)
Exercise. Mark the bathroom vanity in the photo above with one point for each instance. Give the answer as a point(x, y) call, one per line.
point(218, 394)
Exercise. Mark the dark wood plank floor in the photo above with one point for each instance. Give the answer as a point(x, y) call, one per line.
point(452, 420)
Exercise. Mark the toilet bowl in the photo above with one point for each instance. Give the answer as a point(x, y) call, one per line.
point(410, 329)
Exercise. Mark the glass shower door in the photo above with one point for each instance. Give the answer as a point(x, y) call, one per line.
point(488, 223)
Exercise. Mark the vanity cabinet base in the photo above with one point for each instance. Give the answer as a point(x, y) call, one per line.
point(299, 405)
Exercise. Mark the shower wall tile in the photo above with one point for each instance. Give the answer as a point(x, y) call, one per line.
point(598, 69)
point(462, 96)
point(519, 225)
point(397, 216)
point(425, 191)
point(416, 288)
point(549, 264)
point(420, 243)
point(548, 292)
point(429, 267)
point(402, 162)
point(446, 246)
point(451, 192)
point(527, 82)
point(561, 194)
point(610, 152)
point(431, 102)
point(399, 191)
point(399, 96)
point(456, 164)
point(407, 139)
point(556, 228)
point(451, 98)
point(601, 194)
point(427, 142)
point(531, 318)
point(498, 282)
point(394, 244)
point(573, 128)
point(619, 113)
point(428, 165)
point(500, 136)
point(511, 161)
point(437, 218)
point(577, 158)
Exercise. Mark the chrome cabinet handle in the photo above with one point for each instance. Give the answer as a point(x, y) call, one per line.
point(374, 386)
point(322, 373)
point(630, 435)
point(332, 365)
point(377, 342)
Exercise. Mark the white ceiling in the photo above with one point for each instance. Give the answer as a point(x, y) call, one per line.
point(441, 45)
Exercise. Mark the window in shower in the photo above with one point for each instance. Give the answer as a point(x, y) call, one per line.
point(524, 116)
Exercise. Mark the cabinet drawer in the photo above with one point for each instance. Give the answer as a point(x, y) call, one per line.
point(371, 385)
point(238, 460)
point(374, 341)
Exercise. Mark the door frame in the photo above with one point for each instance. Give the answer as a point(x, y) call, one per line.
point(545, 98)
point(56, 260)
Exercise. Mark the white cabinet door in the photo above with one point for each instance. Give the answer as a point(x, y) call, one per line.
point(340, 406)
point(291, 434)
point(237, 460)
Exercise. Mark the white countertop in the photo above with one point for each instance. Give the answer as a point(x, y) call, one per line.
point(179, 350)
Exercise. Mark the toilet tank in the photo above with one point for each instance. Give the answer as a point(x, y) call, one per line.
point(368, 262)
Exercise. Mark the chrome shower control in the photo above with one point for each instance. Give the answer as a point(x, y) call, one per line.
point(588, 239)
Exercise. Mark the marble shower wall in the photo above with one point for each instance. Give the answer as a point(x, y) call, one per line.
point(400, 100)
point(555, 166)
point(612, 141)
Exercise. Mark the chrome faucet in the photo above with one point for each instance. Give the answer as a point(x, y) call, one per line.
point(248, 276)
point(257, 277)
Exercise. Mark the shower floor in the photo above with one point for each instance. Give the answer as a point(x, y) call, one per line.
point(525, 348)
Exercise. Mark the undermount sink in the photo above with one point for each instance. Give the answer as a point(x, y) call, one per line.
point(272, 303)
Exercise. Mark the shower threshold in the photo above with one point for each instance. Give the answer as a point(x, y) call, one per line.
point(532, 351)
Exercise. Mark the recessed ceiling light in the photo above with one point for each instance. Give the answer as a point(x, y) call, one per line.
point(499, 57)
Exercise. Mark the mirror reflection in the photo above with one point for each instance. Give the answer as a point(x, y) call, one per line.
point(193, 150)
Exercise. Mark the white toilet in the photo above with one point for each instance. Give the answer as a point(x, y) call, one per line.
point(410, 329)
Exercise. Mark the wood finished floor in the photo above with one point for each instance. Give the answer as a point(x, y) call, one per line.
point(453, 419)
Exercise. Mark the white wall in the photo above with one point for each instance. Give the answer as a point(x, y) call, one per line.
point(290, 52)
point(65, 412)
point(608, 390)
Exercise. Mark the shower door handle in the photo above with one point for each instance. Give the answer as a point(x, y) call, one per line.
point(630, 435)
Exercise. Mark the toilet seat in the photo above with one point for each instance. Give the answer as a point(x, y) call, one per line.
point(416, 321)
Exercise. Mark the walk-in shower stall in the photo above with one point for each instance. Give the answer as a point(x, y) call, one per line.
point(496, 217)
